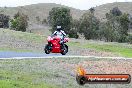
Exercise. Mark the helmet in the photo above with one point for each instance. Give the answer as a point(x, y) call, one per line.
point(58, 28)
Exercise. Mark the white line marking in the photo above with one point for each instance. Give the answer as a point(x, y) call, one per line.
point(94, 57)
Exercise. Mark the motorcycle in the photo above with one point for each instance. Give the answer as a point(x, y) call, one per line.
point(54, 45)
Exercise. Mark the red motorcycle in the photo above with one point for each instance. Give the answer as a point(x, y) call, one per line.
point(54, 45)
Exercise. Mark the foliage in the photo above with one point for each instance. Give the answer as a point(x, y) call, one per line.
point(116, 11)
point(60, 16)
point(74, 29)
point(92, 10)
point(73, 33)
point(114, 28)
point(4, 21)
point(130, 38)
point(118, 24)
point(20, 22)
point(89, 25)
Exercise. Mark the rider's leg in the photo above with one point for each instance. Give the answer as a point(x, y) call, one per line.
point(62, 44)
point(50, 45)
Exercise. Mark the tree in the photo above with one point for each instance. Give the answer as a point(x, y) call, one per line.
point(89, 25)
point(60, 16)
point(124, 23)
point(130, 38)
point(116, 26)
point(92, 10)
point(73, 33)
point(130, 23)
point(116, 11)
point(20, 22)
point(4, 21)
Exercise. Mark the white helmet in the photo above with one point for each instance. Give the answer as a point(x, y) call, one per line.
point(58, 27)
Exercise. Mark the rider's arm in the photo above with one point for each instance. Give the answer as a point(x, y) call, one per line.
point(64, 34)
point(54, 34)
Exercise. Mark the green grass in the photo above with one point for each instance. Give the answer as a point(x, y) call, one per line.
point(18, 50)
point(121, 49)
point(23, 35)
point(14, 75)
point(14, 49)
point(53, 72)
point(117, 48)
point(21, 84)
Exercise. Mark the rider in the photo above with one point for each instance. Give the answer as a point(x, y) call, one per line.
point(61, 34)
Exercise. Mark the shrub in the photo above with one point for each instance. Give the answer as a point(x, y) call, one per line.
point(20, 22)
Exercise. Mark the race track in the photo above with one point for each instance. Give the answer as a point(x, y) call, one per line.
point(12, 54)
point(33, 55)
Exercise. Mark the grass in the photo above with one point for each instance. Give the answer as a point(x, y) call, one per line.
point(117, 48)
point(24, 74)
point(53, 73)
point(21, 84)
point(14, 75)
point(23, 35)
point(121, 49)
point(21, 39)
point(14, 49)
point(2, 49)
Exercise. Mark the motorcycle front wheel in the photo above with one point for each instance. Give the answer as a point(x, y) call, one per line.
point(46, 49)
point(65, 50)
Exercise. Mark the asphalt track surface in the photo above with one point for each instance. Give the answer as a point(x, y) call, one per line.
point(12, 54)
point(33, 55)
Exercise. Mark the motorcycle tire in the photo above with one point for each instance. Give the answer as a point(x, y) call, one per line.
point(65, 50)
point(46, 49)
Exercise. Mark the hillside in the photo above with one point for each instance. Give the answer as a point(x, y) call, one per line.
point(38, 10)
point(42, 11)
point(125, 7)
